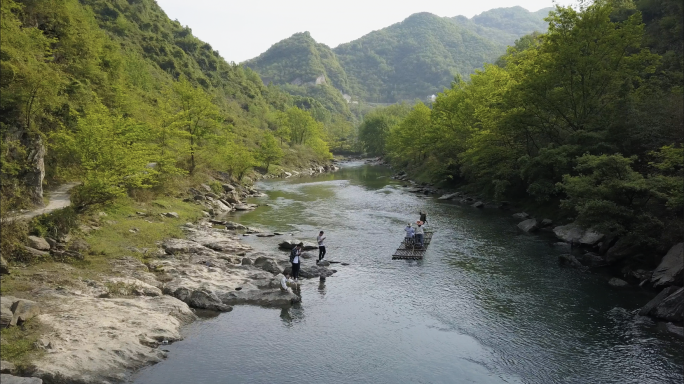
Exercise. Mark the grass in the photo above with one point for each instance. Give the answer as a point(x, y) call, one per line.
point(18, 344)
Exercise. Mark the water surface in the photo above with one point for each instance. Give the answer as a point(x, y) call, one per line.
point(488, 304)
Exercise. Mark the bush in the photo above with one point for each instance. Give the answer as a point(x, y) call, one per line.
point(55, 224)
point(13, 236)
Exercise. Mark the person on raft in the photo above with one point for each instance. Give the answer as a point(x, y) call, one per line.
point(423, 217)
point(410, 233)
point(419, 234)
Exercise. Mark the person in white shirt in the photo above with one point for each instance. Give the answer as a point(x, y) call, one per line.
point(284, 281)
point(410, 232)
point(321, 246)
point(419, 234)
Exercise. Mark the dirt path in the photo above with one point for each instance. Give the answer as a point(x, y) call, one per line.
point(58, 199)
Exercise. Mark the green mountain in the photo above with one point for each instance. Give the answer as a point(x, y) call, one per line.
point(305, 68)
point(412, 59)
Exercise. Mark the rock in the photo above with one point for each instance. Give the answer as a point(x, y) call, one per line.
point(306, 255)
point(478, 204)
point(4, 267)
point(345, 264)
point(199, 198)
point(38, 243)
point(289, 244)
point(217, 222)
point(6, 314)
point(246, 261)
point(9, 379)
point(679, 331)
point(35, 253)
point(323, 263)
point(23, 310)
point(312, 271)
point(570, 233)
point(53, 243)
point(562, 246)
point(447, 197)
point(228, 187)
point(570, 261)
point(646, 309)
point(244, 207)
point(615, 282)
point(521, 215)
point(591, 237)
point(201, 299)
point(233, 226)
point(671, 308)
point(608, 242)
point(7, 367)
point(172, 214)
point(622, 249)
point(206, 214)
point(670, 271)
point(176, 246)
point(205, 187)
point(546, 223)
point(272, 266)
point(212, 195)
point(529, 225)
point(265, 234)
point(592, 259)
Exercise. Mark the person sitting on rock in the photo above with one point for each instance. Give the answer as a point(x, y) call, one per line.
point(284, 281)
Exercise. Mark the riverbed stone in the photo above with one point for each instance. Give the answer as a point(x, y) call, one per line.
point(447, 196)
point(570, 233)
point(570, 261)
point(172, 215)
point(591, 237)
point(38, 243)
point(478, 204)
point(546, 223)
point(521, 215)
point(232, 225)
point(289, 244)
point(622, 249)
point(615, 282)
point(272, 266)
point(23, 310)
point(646, 309)
point(670, 271)
point(529, 225)
point(671, 308)
point(7, 367)
point(6, 314)
point(10, 379)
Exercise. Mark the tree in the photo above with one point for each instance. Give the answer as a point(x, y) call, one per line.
point(198, 115)
point(269, 150)
point(301, 125)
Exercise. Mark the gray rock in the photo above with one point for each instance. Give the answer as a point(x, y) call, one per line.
point(6, 314)
point(176, 246)
point(246, 261)
point(233, 225)
point(212, 195)
point(546, 223)
point(199, 197)
point(521, 215)
point(306, 255)
point(172, 214)
point(260, 260)
point(623, 248)
point(323, 263)
point(38, 243)
point(679, 331)
point(646, 309)
point(272, 266)
point(529, 225)
point(78, 245)
point(592, 260)
point(447, 197)
point(569, 233)
point(670, 271)
point(312, 271)
point(4, 267)
point(478, 204)
point(201, 299)
point(205, 187)
point(289, 244)
point(23, 310)
point(265, 235)
point(615, 282)
point(9, 379)
point(244, 207)
point(228, 187)
point(671, 308)
point(562, 246)
point(7, 367)
point(570, 261)
point(35, 253)
point(591, 237)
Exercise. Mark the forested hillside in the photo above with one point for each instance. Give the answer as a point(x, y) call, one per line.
point(585, 120)
point(115, 95)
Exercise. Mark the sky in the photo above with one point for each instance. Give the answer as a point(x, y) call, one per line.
point(241, 30)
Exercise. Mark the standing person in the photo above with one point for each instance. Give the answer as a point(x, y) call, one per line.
point(419, 234)
point(295, 257)
point(410, 232)
point(423, 217)
point(321, 246)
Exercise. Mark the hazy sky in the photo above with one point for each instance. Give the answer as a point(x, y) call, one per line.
point(241, 30)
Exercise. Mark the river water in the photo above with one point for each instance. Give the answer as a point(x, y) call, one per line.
point(488, 304)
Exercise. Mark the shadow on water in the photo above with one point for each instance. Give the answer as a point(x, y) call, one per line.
point(488, 304)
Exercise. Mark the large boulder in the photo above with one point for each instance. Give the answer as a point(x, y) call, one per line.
point(591, 237)
point(228, 187)
point(622, 249)
point(38, 243)
point(521, 215)
point(671, 308)
point(201, 299)
point(671, 268)
point(570, 233)
point(35, 253)
point(175, 246)
point(4, 267)
point(529, 225)
point(615, 282)
point(233, 225)
point(646, 309)
point(570, 261)
point(272, 266)
point(7, 367)
point(9, 379)
point(448, 196)
point(478, 204)
point(6, 314)
point(24, 310)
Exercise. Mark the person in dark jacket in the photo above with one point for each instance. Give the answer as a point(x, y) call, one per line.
point(295, 259)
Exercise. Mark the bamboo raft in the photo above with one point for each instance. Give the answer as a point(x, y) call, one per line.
point(410, 252)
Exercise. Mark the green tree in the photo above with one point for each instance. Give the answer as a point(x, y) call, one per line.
point(269, 150)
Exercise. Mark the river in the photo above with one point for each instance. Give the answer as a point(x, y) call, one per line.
point(488, 304)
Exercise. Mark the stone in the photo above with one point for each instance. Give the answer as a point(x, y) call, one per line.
point(201, 299)
point(478, 204)
point(38, 243)
point(176, 246)
point(646, 309)
point(521, 215)
point(4, 267)
point(9, 379)
point(199, 198)
point(246, 261)
point(306, 255)
point(671, 308)
point(546, 223)
point(529, 225)
point(7, 367)
point(265, 234)
point(53, 243)
point(289, 244)
point(6, 314)
point(592, 259)
point(323, 263)
point(570, 233)
point(570, 261)
point(670, 271)
point(233, 225)
point(228, 187)
point(272, 266)
point(24, 310)
point(615, 282)
point(562, 246)
point(679, 331)
point(205, 187)
point(212, 195)
point(78, 245)
point(244, 207)
point(622, 249)
point(172, 214)
point(591, 237)
point(35, 253)
point(447, 196)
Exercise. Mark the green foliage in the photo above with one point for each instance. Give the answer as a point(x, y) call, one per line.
point(55, 224)
point(378, 124)
point(269, 150)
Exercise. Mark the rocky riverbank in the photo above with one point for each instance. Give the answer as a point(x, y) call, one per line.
point(100, 330)
point(588, 249)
